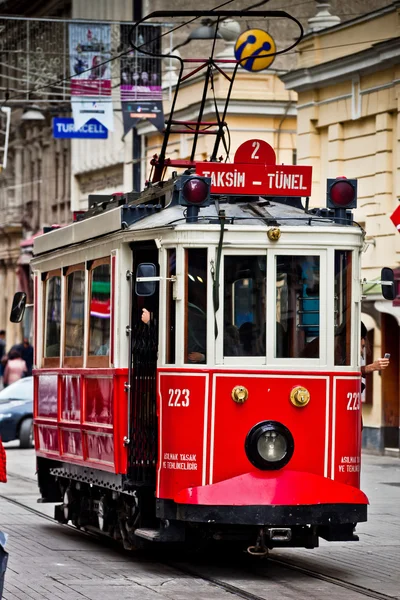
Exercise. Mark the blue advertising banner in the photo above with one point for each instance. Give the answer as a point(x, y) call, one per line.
point(63, 127)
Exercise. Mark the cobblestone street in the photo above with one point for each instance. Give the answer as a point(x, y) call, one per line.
point(49, 561)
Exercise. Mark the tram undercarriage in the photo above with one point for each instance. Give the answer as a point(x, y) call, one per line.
point(94, 501)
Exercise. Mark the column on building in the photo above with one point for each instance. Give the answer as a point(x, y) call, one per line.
point(335, 149)
point(308, 138)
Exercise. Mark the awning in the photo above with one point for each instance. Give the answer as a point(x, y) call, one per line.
point(386, 306)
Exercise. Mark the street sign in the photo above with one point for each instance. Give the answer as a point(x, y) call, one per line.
point(395, 218)
point(255, 151)
point(64, 128)
point(253, 49)
point(255, 173)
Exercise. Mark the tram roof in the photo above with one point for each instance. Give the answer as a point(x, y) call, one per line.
point(244, 212)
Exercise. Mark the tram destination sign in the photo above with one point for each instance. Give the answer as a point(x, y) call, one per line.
point(250, 179)
point(254, 172)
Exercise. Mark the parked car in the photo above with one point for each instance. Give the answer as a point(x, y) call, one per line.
point(16, 412)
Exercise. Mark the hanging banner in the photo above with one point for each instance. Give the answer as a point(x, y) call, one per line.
point(141, 91)
point(84, 109)
point(132, 112)
point(89, 48)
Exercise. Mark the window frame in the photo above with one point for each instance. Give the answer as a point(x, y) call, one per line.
point(52, 361)
point(186, 250)
point(94, 360)
point(74, 361)
point(325, 308)
point(220, 359)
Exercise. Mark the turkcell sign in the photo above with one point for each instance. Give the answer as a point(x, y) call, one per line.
point(257, 179)
point(64, 128)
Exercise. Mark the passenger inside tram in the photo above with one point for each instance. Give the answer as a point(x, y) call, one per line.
point(244, 305)
point(297, 307)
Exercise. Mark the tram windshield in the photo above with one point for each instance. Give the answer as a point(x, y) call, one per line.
point(297, 307)
point(244, 305)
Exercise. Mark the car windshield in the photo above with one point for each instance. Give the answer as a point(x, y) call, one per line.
point(20, 390)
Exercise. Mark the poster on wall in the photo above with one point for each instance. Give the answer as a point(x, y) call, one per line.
point(141, 89)
point(89, 49)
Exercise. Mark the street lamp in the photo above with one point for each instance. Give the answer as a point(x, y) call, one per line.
point(205, 31)
point(32, 113)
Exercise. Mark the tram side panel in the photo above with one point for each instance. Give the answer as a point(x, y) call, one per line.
point(346, 427)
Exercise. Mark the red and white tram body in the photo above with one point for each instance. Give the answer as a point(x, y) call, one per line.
point(235, 411)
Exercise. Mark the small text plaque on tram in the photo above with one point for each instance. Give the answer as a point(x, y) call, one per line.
point(255, 172)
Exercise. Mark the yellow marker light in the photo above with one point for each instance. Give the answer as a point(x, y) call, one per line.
point(299, 396)
point(274, 234)
point(239, 394)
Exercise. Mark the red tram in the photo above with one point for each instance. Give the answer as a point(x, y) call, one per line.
point(234, 411)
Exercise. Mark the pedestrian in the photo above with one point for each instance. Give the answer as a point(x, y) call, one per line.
point(15, 368)
point(26, 351)
point(3, 536)
point(378, 365)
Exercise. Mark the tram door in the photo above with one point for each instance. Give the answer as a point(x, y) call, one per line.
point(144, 349)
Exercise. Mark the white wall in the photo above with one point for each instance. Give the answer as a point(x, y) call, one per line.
point(89, 158)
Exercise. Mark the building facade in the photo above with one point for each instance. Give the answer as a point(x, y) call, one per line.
point(348, 124)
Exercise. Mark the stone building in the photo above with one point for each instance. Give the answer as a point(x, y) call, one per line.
point(35, 186)
point(347, 79)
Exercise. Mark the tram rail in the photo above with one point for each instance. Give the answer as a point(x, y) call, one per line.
point(192, 571)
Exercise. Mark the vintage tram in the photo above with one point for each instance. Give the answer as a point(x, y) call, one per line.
point(236, 407)
point(197, 357)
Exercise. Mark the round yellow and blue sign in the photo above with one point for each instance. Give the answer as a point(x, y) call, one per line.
point(253, 49)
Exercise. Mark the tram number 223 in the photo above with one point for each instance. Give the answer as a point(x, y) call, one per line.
point(178, 397)
point(353, 401)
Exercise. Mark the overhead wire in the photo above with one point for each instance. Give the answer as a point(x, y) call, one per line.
point(58, 82)
point(111, 59)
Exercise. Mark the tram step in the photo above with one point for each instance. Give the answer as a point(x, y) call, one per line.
point(172, 533)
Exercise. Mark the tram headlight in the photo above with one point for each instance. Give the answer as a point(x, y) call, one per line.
point(269, 445)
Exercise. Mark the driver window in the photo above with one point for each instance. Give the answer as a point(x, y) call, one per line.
point(297, 307)
point(244, 305)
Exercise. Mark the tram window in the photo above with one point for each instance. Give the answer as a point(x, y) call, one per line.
point(244, 305)
point(297, 307)
point(171, 306)
point(196, 306)
point(99, 312)
point(343, 274)
point(53, 316)
point(75, 310)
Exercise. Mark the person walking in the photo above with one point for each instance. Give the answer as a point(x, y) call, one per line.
point(26, 351)
point(15, 368)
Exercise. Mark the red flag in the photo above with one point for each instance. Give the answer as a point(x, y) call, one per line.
point(395, 218)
